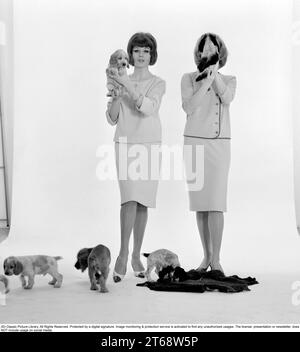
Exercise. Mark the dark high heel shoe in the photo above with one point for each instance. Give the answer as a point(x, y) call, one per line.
point(139, 273)
point(203, 269)
point(217, 267)
point(118, 277)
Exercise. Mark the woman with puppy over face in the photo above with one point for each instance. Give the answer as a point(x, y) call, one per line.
point(134, 109)
point(206, 101)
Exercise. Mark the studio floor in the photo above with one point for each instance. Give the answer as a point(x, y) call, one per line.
point(269, 302)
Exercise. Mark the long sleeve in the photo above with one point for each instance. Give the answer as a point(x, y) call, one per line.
point(186, 93)
point(152, 99)
point(110, 121)
point(229, 93)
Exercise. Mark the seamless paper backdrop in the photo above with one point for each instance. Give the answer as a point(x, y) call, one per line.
point(61, 52)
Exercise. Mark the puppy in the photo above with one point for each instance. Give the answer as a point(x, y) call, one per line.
point(5, 282)
point(82, 259)
point(166, 274)
point(97, 260)
point(33, 265)
point(159, 260)
point(172, 274)
point(205, 62)
point(208, 60)
point(118, 63)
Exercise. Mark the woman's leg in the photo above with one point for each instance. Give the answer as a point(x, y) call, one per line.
point(202, 222)
point(138, 233)
point(216, 225)
point(127, 220)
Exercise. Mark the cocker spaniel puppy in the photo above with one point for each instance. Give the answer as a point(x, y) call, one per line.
point(118, 63)
point(29, 266)
point(97, 260)
point(160, 259)
point(5, 282)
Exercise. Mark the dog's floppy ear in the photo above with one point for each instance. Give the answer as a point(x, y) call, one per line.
point(18, 267)
point(113, 59)
point(84, 253)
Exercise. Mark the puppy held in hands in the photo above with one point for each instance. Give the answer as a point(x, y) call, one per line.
point(160, 259)
point(208, 58)
point(97, 260)
point(29, 266)
point(5, 282)
point(118, 63)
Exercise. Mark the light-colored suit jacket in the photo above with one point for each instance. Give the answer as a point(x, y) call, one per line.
point(210, 119)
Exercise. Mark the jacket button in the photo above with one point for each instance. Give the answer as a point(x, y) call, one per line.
point(217, 113)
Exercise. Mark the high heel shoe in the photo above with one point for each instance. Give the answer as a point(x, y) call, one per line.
point(117, 277)
point(202, 270)
point(138, 273)
point(217, 267)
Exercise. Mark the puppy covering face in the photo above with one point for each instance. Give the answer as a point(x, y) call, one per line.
point(209, 55)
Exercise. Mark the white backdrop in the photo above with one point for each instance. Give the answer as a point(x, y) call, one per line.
point(61, 51)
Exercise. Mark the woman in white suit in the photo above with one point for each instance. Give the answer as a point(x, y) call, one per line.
point(135, 112)
point(206, 103)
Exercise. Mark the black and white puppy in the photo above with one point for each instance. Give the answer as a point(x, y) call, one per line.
point(158, 260)
point(207, 60)
point(171, 274)
point(97, 260)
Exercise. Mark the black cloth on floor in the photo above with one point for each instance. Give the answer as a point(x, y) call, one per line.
point(195, 281)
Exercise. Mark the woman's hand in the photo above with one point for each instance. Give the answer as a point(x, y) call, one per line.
point(212, 71)
point(117, 93)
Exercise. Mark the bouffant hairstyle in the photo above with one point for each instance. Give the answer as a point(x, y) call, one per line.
point(223, 52)
point(142, 40)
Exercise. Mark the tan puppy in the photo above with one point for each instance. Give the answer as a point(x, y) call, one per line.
point(118, 63)
point(160, 259)
point(5, 282)
point(97, 260)
point(33, 265)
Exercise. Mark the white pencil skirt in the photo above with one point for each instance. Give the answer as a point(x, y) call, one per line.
point(138, 176)
point(213, 194)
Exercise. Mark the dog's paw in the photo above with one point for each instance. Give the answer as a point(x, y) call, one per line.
point(57, 285)
point(94, 288)
point(104, 290)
